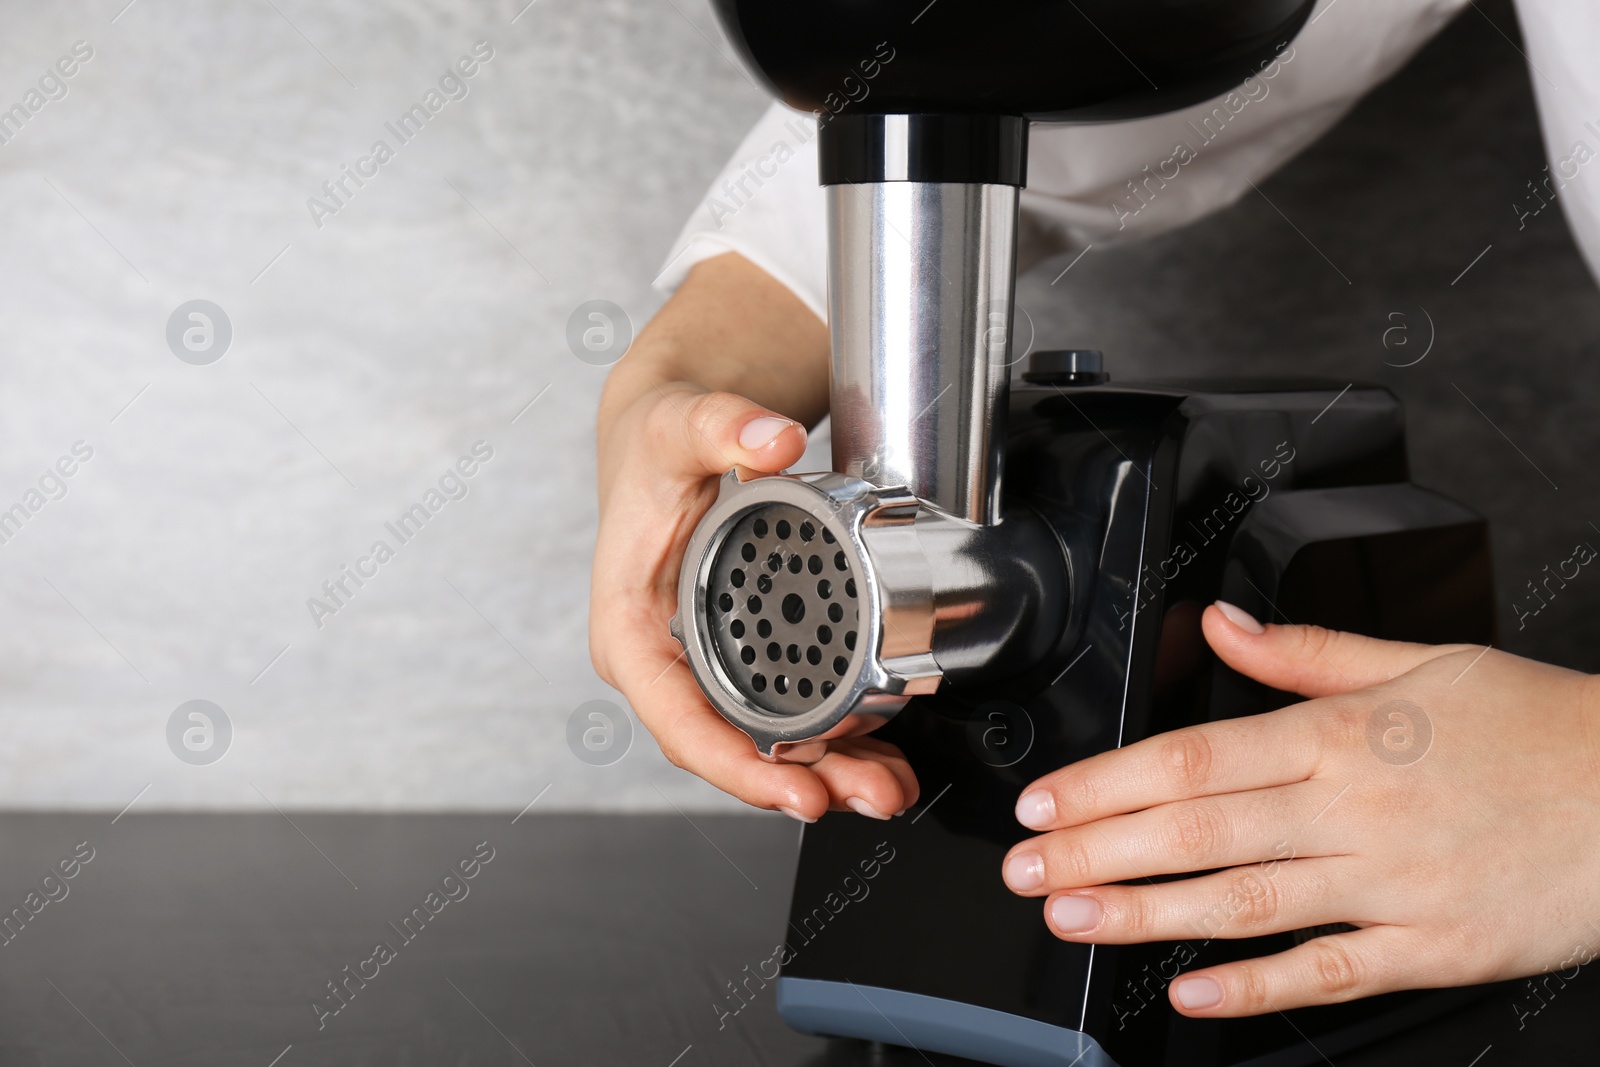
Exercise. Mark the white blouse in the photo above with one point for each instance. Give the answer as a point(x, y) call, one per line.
point(1097, 184)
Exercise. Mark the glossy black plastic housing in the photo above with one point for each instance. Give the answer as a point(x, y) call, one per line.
point(1167, 497)
point(1058, 60)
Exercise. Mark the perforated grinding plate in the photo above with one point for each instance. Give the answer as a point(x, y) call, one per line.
point(783, 608)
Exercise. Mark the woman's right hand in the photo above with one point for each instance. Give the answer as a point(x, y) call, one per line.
point(663, 446)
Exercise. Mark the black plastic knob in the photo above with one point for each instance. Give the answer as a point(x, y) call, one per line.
point(1066, 366)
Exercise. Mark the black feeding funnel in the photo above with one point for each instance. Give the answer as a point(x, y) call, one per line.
point(1050, 60)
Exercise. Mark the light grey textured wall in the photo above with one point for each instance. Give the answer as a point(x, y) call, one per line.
point(367, 355)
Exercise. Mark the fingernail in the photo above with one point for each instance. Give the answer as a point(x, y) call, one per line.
point(1036, 809)
point(861, 807)
point(795, 814)
point(1074, 915)
point(1197, 993)
point(759, 433)
point(901, 812)
point(1025, 870)
point(1244, 621)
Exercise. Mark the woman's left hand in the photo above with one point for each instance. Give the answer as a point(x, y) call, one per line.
point(1444, 800)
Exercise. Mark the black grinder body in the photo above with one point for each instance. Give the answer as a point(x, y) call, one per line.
point(1291, 500)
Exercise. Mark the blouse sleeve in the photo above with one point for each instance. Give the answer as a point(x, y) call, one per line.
point(1562, 38)
point(768, 206)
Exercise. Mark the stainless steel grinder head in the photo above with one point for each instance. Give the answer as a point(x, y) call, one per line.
point(806, 606)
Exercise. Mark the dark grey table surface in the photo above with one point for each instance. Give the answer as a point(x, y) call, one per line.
point(586, 940)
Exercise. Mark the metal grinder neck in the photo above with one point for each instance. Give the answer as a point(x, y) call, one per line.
point(922, 225)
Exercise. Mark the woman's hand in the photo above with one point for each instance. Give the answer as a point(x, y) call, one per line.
point(673, 422)
point(1444, 800)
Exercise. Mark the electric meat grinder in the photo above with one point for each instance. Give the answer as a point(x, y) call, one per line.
point(996, 631)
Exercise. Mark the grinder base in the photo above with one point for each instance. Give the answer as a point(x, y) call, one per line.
point(1292, 501)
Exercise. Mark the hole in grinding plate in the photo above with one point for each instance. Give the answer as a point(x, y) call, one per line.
point(794, 609)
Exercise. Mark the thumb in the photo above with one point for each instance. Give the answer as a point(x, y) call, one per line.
point(711, 433)
point(1309, 660)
